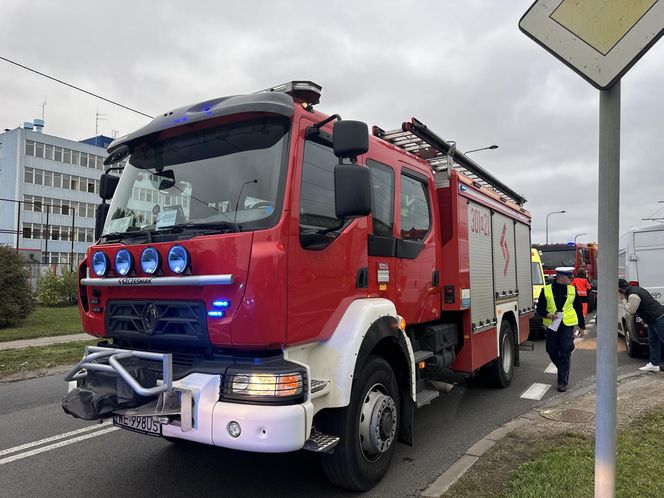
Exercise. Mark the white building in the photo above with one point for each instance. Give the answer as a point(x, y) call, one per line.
point(57, 182)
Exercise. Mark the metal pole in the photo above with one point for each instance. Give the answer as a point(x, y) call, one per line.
point(71, 236)
point(607, 295)
point(547, 222)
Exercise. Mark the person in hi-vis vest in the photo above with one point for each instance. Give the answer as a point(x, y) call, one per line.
point(559, 306)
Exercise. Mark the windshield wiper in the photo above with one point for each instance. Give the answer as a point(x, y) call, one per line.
point(215, 225)
point(128, 235)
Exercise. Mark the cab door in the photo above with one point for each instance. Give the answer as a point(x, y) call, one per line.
point(326, 259)
point(418, 290)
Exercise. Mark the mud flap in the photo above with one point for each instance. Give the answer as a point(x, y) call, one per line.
point(101, 393)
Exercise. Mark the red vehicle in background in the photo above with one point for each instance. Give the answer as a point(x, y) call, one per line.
point(573, 256)
point(268, 278)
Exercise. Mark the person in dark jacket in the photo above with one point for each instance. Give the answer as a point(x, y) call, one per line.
point(561, 310)
point(642, 304)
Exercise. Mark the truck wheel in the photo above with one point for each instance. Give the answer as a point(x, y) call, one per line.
point(632, 347)
point(368, 428)
point(501, 370)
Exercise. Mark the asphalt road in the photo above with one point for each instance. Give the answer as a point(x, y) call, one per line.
point(103, 461)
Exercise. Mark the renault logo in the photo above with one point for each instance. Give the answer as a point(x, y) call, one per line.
point(150, 318)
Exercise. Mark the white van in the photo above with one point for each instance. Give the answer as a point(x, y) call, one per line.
point(640, 262)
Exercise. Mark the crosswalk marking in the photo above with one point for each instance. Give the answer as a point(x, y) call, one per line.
point(551, 369)
point(536, 391)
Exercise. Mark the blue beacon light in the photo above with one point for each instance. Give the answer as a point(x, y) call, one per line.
point(219, 303)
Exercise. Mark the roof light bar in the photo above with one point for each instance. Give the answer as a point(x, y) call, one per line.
point(302, 91)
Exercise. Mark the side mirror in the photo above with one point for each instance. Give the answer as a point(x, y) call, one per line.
point(350, 139)
point(352, 190)
point(107, 186)
point(100, 219)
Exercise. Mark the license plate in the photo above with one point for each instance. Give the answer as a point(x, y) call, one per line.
point(142, 424)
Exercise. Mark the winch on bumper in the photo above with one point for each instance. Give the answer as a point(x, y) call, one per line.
point(207, 408)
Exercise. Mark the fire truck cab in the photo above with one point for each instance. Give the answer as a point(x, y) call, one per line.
point(269, 278)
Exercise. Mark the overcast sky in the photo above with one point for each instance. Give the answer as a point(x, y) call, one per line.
point(461, 67)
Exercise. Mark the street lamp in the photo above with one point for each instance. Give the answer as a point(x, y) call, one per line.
point(490, 147)
point(578, 235)
point(547, 222)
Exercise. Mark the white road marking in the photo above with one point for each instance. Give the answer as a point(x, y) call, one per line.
point(53, 438)
point(551, 369)
point(536, 391)
point(54, 446)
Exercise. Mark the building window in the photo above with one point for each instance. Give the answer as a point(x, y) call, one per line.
point(57, 180)
point(48, 151)
point(37, 205)
point(89, 235)
point(65, 208)
point(27, 231)
point(28, 175)
point(100, 163)
point(48, 178)
point(57, 154)
point(74, 183)
point(91, 186)
point(75, 157)
point(414, 209)
point(39, 149)
point(66, 156)
point(84, 160)
point(29, 148)
point(38, 177)
point(55, 233)
point(27, 203)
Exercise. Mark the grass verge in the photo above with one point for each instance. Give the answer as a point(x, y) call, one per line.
point(562, 465)
point(15, 361)
point(45, 322)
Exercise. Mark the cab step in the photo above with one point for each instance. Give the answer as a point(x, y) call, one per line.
point(426, 392)
point(320, 443)
point(527, 346)
point(319, 388)
point(422, 355)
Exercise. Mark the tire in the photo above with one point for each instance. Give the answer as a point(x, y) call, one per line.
point(499, 373)
point(361, 458)
point(632, 347)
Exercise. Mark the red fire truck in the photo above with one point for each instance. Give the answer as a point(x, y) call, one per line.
point(574, 256)
point(269, 278)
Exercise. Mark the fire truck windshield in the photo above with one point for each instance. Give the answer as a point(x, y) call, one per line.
point(553, 259)
point(229, 177)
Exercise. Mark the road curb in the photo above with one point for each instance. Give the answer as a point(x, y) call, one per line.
point(44, 341)
point(447, 479)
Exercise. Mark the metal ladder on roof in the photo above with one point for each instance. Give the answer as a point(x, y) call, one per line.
point(416, 138)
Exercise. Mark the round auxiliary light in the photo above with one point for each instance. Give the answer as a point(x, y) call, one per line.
point(178, 259)
point(123, 262)
point(234, 429)
point(99, 263)
point(150, 260)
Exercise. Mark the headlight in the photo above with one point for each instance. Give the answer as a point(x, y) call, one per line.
point(123, 262)
point(99, 263)
point(178, 259)
point(263, 386)
point(150, 260)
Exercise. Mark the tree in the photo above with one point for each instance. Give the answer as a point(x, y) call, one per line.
point(16, 300)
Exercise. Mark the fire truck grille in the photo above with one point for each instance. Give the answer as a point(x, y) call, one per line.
point(178, 320)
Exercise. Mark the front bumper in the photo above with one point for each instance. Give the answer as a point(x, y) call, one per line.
point(191, 404)
point(264, 428)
